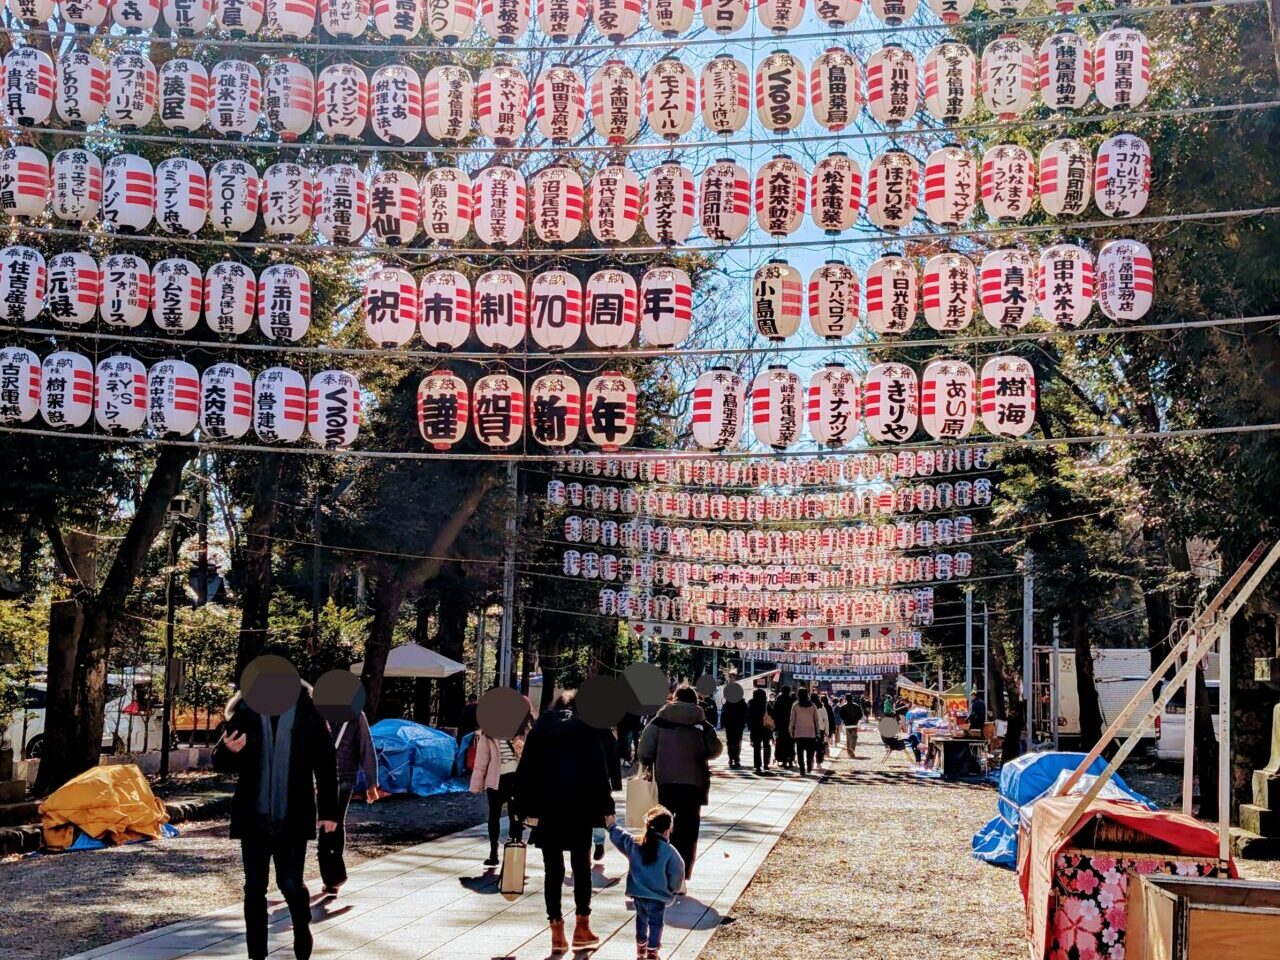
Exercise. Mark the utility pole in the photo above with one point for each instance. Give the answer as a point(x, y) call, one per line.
point(1028, 598)
point(179, 511)
point(203, 575)
point(986, 659)
point(968, 644)
point(481, 625)
point(509, 579)
point(1053, 686)
point(315, 574)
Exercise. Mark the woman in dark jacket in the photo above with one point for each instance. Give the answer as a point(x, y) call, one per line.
point(760, 723)
point(562, 789)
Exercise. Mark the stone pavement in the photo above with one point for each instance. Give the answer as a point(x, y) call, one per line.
point(437, 900)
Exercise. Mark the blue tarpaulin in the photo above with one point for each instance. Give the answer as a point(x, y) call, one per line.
point(1024, 781)
point(416, 759)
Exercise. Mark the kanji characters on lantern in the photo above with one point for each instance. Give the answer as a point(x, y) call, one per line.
point(670, 95)
point(344, 19)
point(556, 312)
point(1008, 398)
point(777, 407)
point(893, 190)
point(182, 195)
point(397, 20)
point(616, 19)
point(671, 17)
point(1065, 178)
point(396, 104)
point(1122, 176)
point(892, 12)
point(893, 85)
point(497, 410)
point(781, 190)
point(390, 307)
point(120, 395)
point(614, 204)
point(1065, 285)
point(394, 207)
point(777, 299)
point(29, 82)
point(342, 207)
point(284, 302)
point(562, 19)
point(279, 405)
point(502, 101)
point(725, 95)
point(333, 409)
point(239, 17)
point(833, 300)
point(781, 92)
point(557, 202)
point(226, 401)
point(443, 409)
point(833, 406)
point(950, 82)
point(724, 205)
point(83, 13)
point(129, 193)
point(948, 399)
point(504, 20)
point(23, 276)
point(444, 299)
point(235, 98)
point(82, 88)
point(498, 194)
point(892, 298)
point(718, 409)
point(837, 13)
point(891, 402)
point(173, 398)
point(780, 16)
point(1008, 182)
point(230, 298)
point(127, 284)
point(666, 306)
point(1122, 68)
point(177, 295)
point(615, 102)
point(66, 389)
point(950, 291)
point(501, 311)
point(555, 409)
point(559, 103)
point(445, 200)
point(288, 197)
point(836, 191)
point(1008, 288)
point(612, 309)
point(35, 12)
point(1125, 280)
point(184, 95)
point(73, 287)
point(131, 91)
point(290, 102)
point(77, 185)
point(1066, 71)
point(24, 182)
point(669, 200)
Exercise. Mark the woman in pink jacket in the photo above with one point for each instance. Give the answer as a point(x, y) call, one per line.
point(495, 775)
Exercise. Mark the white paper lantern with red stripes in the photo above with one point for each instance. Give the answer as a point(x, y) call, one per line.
point(29, 84)
point(562, 19)
point(83, 13)
point(35, 12)
point(1008, 77)
point(333, 409)
point(128, 193)
point(498, 198)
point(833, 300)
point(342, 205)
point(290, 102)
point(890, 402)
point(291, 19)
point(559, 103)
point(125, 298)
point(780, 16)
point(725, 16)
point(288, 199)
point(950, 82)
point(781, 92)
point(835, 86)
point(1008, 397)
point(502, 101)
point(555, 409)
point(444, 303)
point(66, 389)
point(670, 96)
point(950, 292)
point(397, 20)
point(394, 207)
point(836, 191)
point(83, 85)
point(173, 398)
point(230, 298)
point(1065, 178)
point(669, 202)
point(948, 399)
point(950, 185)
point(1066, 71)
point(781, 190)
point(137, 16)
point(1122, 68)
point(777, 407)
point(184, 95)
point(390, 307)
point(177, 295)
point(616, 20)
point(344, 19)
point(396, 104)
point(1008, 182)
point(120, 395)
point(187, 18)
point(443, 409)
point(226, 401)
point(73, 287)
point(837, 13)
point(500, 310)
point(1064, 291)
point(450, 20)
point(719, 402)
point(666, 306)
point(497, 410)
point(555, 321)
point(445, 198)
point(724, 201)
point(235, 98)
point(893, 12)
point(24, 182)
point(131, 91)
point(1122, 176)
point(615, 102)
point(557, 201)
point(609, 410)
point(1126, 280)
point(613, 204)
point(239, 17)
point(892, 294)
point(833, 406)
point(342, 101)
point(279, 405)
point(777, 299)
point(77, 185)
point(725, 95)
point(182, 196)
point(893, 85)
point(234, 196)
point(504, 20)
point(671, 17)
point(612, 309)
point(893, 190)
point(1008, 279)
point(284, 302)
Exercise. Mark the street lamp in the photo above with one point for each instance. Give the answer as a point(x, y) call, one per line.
point(180, 511)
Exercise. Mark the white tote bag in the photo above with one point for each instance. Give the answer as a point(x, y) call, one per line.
point(642, 796)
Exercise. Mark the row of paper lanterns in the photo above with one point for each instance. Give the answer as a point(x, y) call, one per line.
point(774, 578)
point(448, 104)
point(450, 21)
point(754, 610)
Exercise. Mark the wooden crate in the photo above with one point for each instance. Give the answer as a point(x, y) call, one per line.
point(1188, 918)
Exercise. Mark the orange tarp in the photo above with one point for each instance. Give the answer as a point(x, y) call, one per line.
point(114, 804)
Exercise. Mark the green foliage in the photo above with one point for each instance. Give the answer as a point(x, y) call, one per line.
point(23, 630)
point(340, 639)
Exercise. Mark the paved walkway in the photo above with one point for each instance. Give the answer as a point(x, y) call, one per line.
point(436, 900)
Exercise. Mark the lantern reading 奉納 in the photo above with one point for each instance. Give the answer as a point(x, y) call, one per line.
point(777, 407)
point(1122, 176)
point(284, 302)
point(666, 306)
point(893, 85)
point(1008, 279)
point(892, 294)
point(670, 98)
point(724, 201)
point(555, 409)
point(184, 95)
point(612, 303)
point(556, 310)
point(893, 190)
point(950, 291)
point(333, 409)
point(396, 104)
point(1007, 77)
point(498, 195)
point(29, 82)
point(1008, 182)
point(725, 95)
point(948, 399)
point(394, 207)
point(609, 410)
point(500, 309)
point(836, 192)
point(290, 101)
point(833, 300)
point(24, 182)
point(182, 196)
point(173, 398)
point(120, 395)
point(82, 88)
point(1065, 178)
point(781, 92)
point(235, 98)
point(131, 91)
point(1122, 68)
point(615, 103)
point(890, 402)
point(950, 185)
point(502, 103)
point(177, 295)
point(835, 87)
point(781, 190)
point(288, 199)
point(950, 82)
point(342, 101)
point(443, 409)
point(444, 302)
point(557, 201)
point(1064, 291)
point(1125, 280)
point(66, 389)
point(833, 406)
point(226, 401)
point(613, 204)
point(777, 299)
point(125, 297)
point(559, 103)
point(670, 196)
point(445, 200)
point(1066, 71)
point(72, 289)
point(1008, 396)
point(279, 405)
point(390, 307)
point(230, 298)
point(718, 409)
point(77, 185)
point(342, 208)
point(128, 193)
point(497, 410)
point(234, 196)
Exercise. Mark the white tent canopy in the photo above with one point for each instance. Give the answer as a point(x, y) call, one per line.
point(412, 660)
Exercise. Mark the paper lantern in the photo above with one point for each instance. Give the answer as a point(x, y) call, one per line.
point(777, 407)
point(833, 300)
point(724, 206)
point(780, 16)
point(497, 410)
point(1008, 286)
point(136, 17)
point(502, 101)
point(725, 16)
point(290, 102)
point(182, 196)
point(948, 399)
point(835, 83)
point(177, 295)
point(671, 17)
point(279, 405)
point(234, 196)
point(120, 395)
point(1122, 176)
point(501, 312)
point(725, 95)
point(1126, 280)
point(950, 292)
point(562, 19)
point(126, 290)
point(781, 190)
point(1064, 291)
point(239, 17)
point(837, 13)
point(777, 299)
point(670, 94)
point(131, 92)
point(184, 95)
point(129, 193)
point(29, 83)
point(1122, 68)
point(445, 198)
point(291, 19)
point(226, 401)
point(444, 298)
point(397, 20)
point(230, 298)
point(1065, 178)
point(893, 12)
point(616, 19)
point(555, 409)
point(24, 182)
point(891, 402)
point(394, 207)
point(666, 306)
point(284, 302)
point(950, 82)
point(77, 185)
point(893, 190)
point(173, 398)
point(1008, 182)
point(390, 307)
point(235, 98)
point(66, 389)
point(558, 204)
point(1066, 71)
point(443, 407)
point(559, 103)
point(950, 185)
point(556, 320)
point(333, 409)
point(83, 86)
point(83, 13)
point(718, 409)
point(73, 287)
point(836, 192)
point(498, 194)
point(187, 18)
point(342, 101)
point(612, 309)
point(892, 299)
point(344, 19)
point(342, 208)
point(1008, 77)
point(615, 103)
point(288, 199)
point(505, 20)
point(893, 85)
point(450, 20)
point(669, 200)
point(1008, 401)
point(35, 12)
point(396, 104)
point(780, 92)
point(613, 204)
point(833, 406)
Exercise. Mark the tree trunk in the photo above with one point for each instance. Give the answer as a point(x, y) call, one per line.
point(388, 597)
point(258, 583)
point(1252, 704)
point(1086, 687)
point(451, 641)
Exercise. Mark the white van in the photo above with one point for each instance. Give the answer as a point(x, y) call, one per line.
point(130, 725)
point(1172, 723)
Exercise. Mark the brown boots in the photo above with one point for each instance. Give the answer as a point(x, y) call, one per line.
point(558, 943)
point(583, 938)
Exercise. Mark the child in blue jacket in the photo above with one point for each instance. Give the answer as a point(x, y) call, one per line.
point(654, 878)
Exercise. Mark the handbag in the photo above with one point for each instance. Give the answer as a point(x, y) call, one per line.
point(768, 723)
point(511, 880)
point(642, 796)
point(469, 760)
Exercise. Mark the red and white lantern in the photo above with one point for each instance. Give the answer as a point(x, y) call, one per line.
point(120, 395)
point(24, 182)
point(893, 12)
point(74, 285)
point(234, 196)
point(284, 302)
point(34, 12)
point(173, 398)
point(497, 410)
point(719, 401)
point(777, 407)
point(615, 102)
point(781, 92)
point(342, 208)
point(890, 402)
point(669, 202)
point(397, 20)
point(609, 410)
point(893, 85)
point(240, 18)
point(226, 401)
point(556, 316)
point(950, 185)
point(950, 292)
point(128, 193)
point(777, 299)
point(66, 389)
point(333, 409)
point(613, 204)
point(501, 309)
point(1008, 401)
point(950, 82)
point(344, 19)
point(616, 19)
point(833, 300)
point(562, 19)
point(444, 299)
point(892, 298)
point(893, 190)
point(1066, 71)
point(498, 194)
point(725, 95)
point(725, 16)
point(1008, 182)
point(235, 98)
point(445, 197)
point(1064, 290)
point(291, 19)
point(1008, 77)
point(833, 406)
point(781, 190)
point(502, 101)
point(613, 309)
point(279, 405)
point(125, 298)
point(1122, 68)
point(780, 16)
point(187, 18)
point(443, 407)
point(666, 306)
point(288, 199)
point(177, 295)
point(835, 85)
point(450, 20)
point(396, 102)
point(948, 399)
point(557, 199)
point(559, 103)
point(342, 101)
point(394, 205)
point(670, 97)
point(836, 192)
point(83, 13)
point(1126, 280)
point(555, 409)
point(131, 91)
point(505, 20)
point(184, 95)
point(390, 307)
point(724, 201)
point(837, 13)
point(83, 87)
point(1008, 288)
point(29, 83)
point(671, 17)
point(1122, 176)
point(1065, 178)
point(1007, 8)
point(290, 98)
point(77, 185)
point(182, 196)
point(230, 298)
point(136, 17)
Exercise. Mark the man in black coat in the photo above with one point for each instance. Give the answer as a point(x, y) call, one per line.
point(851, 714)
point(734, 720)
point(786, 749)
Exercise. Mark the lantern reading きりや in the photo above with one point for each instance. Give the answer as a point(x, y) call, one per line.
point(445, 199)
point(501, 312)
point(444, 300)
point(777, 407)
point(342, 209)
point(1064, 291)
point(443, 408)
point(835, 87)
point(777, 299)
point(892, 297)
point(724, 203)
point(1126, 280)
point(120, 395)
point(833, 406)
point(950, 185)
point(670, 196)
point(23, 275)
point(226, 401)
point(557, 200)
point(1008, 400)
point(893, 85)
point(718, 409)
point(833, 300)
point(666, 306)
point(950, 291)
point(1065, 178)
point(890, 402)
point(781, 190)
point(126, 290)
point(893, 190)
point(230, 298)
point(609, 410)
point(725, 95)
point(73, 287)
point(173, 398)
point(559, 103)
point(948, 399)
point(498, 194)
point(613, 309)
point(77, 185)
point(1122, 176)
point(390, 307)
point(66, 389)
point(497, 410)
point(333, 409)
point(555, 409)
point(836, 191)
point(279, 405)
point(1008, 279)
point(950, 82)
point(556, 313)
point(284, 302)
point(781, 92)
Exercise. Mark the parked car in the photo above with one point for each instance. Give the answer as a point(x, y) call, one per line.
point(131, 722)
point(1171, 725)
